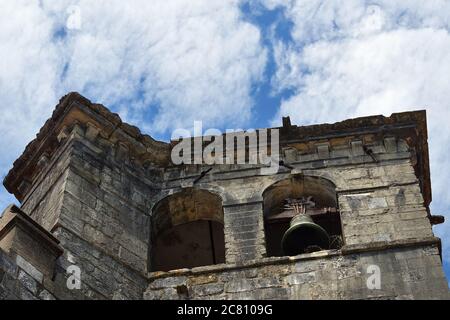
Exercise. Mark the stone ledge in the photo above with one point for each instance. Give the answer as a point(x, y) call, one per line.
point(384, 245)
point(243, 265)
point(358, 190)
point(346, 250)
point(13, 215)
point(73, 109)
point(23, 237)
point(97, 120)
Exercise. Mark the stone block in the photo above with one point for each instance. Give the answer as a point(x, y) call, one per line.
point(271, 293)
point(35, 248)
point(6, 264)
point(239, 285)
point(45, 295)
point(390, 144)
point(301, 278)
point(28, 282)
point(207, 289)
point(202, 279)
point(24, 294)
point(168, 282)
point(29, 268)
point(377, 203)
point(162, 294)
point(323, 150)
point(357, 148)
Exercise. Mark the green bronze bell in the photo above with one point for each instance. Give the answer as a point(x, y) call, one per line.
point(304, 236)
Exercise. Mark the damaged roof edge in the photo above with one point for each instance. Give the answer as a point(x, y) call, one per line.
point(62, 109)
point(416, 119)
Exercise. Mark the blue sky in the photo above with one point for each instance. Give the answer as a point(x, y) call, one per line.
point(232, 64)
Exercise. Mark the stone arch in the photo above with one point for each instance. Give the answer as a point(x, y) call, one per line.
point(323, 193)
point(187, 230)
point(165, 193)
point(322, 190)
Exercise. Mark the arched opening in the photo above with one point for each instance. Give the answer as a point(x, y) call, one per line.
point(187, 231)
point(320, 204)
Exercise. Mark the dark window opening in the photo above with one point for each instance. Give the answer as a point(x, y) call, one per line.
point(189, 245)
point(187, 231)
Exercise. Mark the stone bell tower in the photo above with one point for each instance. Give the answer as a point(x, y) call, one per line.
point(105, 213)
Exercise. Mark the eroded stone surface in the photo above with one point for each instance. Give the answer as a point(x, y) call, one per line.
point(95, 184)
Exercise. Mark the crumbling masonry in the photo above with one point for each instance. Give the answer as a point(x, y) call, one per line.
point(98, 195)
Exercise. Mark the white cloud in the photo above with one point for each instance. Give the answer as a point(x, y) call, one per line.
point(393, 71)
point(28, 74)
point(316, 20)
point(197, 59)
point(359, 59)
point(194, 60)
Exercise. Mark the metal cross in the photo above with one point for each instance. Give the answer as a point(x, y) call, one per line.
point(299, 205)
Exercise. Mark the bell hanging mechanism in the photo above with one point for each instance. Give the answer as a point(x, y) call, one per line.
point(303, 235)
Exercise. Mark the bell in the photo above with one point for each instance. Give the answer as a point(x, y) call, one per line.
point(303, 236)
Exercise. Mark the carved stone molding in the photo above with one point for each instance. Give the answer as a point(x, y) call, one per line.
point(94, 121)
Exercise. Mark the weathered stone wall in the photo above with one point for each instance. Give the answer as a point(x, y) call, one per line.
point(100, 209)
point(379, 201)
point(97, 206)
point(103, 221)
point(107, 207)
point(97, 190)
point(44, 199)
point(20, 280)
point(406, 273)
point(244, 232)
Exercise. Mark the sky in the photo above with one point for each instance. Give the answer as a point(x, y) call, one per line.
point(162, 64)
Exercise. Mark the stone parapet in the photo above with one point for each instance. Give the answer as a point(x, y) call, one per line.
point(408, 270)
point(21, 236)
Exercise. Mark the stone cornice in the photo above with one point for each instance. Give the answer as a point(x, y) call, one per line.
point(97, 121)
point(399, 133)
point(13, 216)
point(324, 254)
point(410, 126)
point(74, 109)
